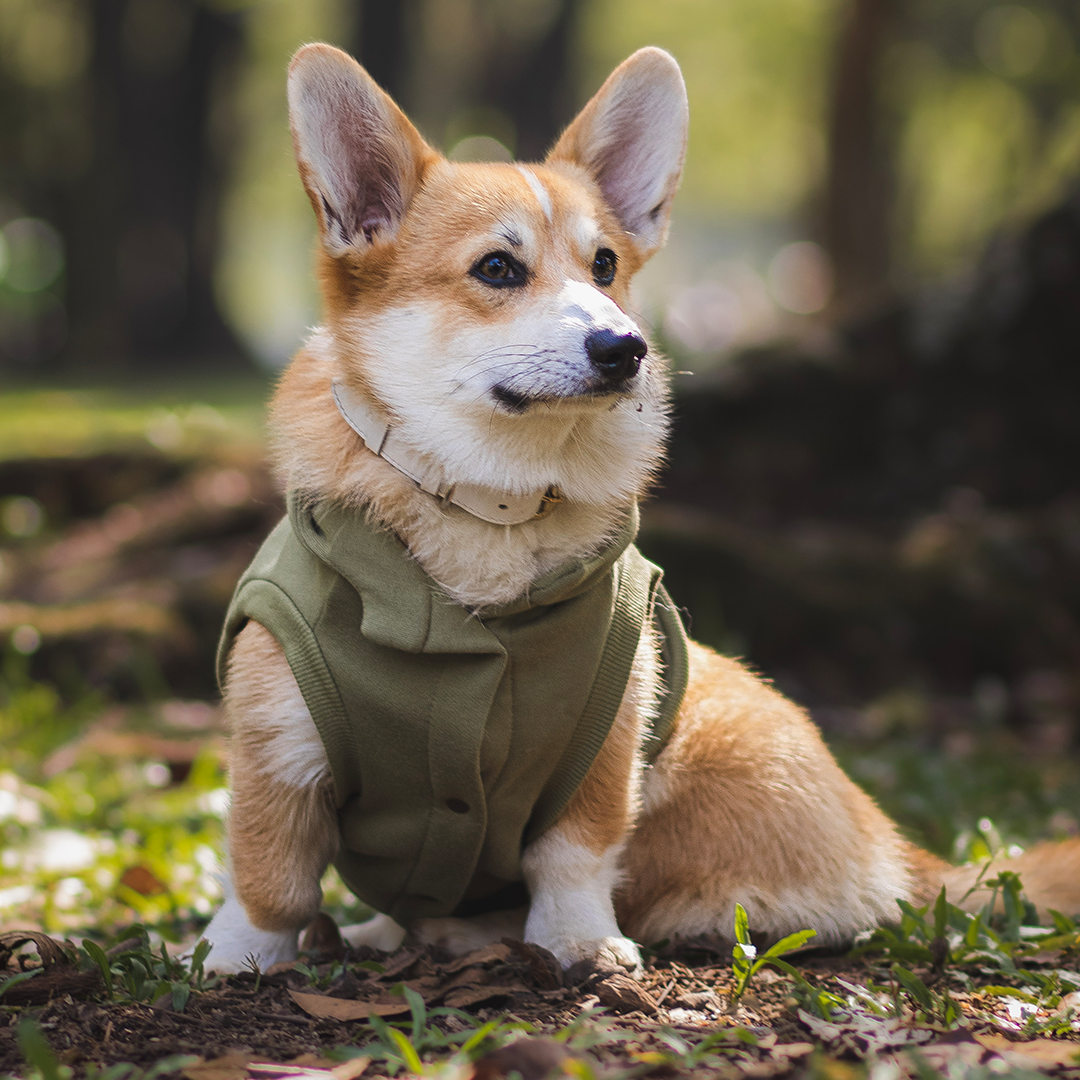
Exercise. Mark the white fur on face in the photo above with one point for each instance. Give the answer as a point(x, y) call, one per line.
point(538, 190)
point(443, 385)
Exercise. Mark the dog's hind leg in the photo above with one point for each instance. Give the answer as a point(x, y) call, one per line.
point(573, 868)
point(282, 825)
point(746, 805)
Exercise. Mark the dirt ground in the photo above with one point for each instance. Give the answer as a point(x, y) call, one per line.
point(583, 1022)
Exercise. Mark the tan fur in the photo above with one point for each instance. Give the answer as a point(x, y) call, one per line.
point(603, 808)
point(281, 837)
point(1050, 873)
point(745, 804)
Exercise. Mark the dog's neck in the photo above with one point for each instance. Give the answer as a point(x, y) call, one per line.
point(485, 503)
point(476, 562)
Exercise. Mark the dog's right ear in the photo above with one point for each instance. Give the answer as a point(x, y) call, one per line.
point(360, 158)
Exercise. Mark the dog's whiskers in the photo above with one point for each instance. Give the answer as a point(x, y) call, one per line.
point(523, 351)
point(510, 365)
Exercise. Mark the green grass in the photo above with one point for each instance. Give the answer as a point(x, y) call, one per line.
point(67, 841)
point(969, 794)
point(180, 418)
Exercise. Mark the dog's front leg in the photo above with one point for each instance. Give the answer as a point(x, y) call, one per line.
point(572, 869)
point(282, 825)
point(571, 911)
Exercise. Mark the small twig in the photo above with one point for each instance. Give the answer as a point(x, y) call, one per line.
point(182, 1016)
point(124, 946)
point(664, 993)
point(281, 1016)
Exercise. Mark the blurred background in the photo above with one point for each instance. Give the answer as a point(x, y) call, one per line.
point(871, 298)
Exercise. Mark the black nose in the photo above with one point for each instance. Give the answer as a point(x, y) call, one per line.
point(616, 357)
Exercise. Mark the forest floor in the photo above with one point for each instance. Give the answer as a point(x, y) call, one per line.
point(993, 1009)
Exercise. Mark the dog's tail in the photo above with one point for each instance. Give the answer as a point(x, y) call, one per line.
point(1049, 876)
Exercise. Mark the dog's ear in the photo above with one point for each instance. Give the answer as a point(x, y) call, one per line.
point(631, 137)
point(360, 158)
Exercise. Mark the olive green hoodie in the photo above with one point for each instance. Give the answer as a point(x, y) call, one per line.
point(454, 736)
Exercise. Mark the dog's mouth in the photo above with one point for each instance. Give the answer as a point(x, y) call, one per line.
point(511, 399)
point(515, 401)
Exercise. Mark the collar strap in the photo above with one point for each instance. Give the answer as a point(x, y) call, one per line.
point(379, 437)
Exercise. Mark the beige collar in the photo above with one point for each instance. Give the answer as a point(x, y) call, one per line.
point(485, 503)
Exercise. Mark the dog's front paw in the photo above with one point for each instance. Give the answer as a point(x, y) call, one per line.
point(606, 952)
point(236, 945)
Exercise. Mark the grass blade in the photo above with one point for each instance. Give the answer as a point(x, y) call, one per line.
point(742, 925)
point(789, 944)
point(914, 986)
point(408, 1051)
point(97, 954)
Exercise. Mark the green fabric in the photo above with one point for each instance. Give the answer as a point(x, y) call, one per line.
point(454, 737)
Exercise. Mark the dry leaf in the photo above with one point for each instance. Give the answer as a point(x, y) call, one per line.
point(793, 1050)
point(51, 951)
point(142, 881)
point(542, 962)
point(311, 1067)
point(60, 977)
point(330, 1008)
point(1035, 1052)
point(490, 954)
point(471, 976)
point(529, 1058)
point(401, 962)
point(347, 1070)
point(277, 1071)
point(227, 1067)
point(464, 996)
point(623, 994)
point(866, 1034)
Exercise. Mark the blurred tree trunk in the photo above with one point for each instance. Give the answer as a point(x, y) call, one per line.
point(382, 44)
point(859, 186)
point(527, 77)
point(514, 59)
point(142, 224)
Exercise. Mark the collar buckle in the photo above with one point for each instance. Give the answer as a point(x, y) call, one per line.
point(548, 501)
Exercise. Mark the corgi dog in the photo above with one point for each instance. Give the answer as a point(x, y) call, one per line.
point(481, 396)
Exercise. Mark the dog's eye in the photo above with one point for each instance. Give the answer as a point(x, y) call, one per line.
point(500, 269)
point(603, 267)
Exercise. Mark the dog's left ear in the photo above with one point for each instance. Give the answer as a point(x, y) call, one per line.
point(631, 138)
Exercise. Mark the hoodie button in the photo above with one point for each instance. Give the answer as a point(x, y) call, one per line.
point(459, 806)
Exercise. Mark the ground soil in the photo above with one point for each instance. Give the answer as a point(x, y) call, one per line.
point(627, 1025)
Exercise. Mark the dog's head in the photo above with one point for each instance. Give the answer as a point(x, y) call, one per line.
point(484, 307)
